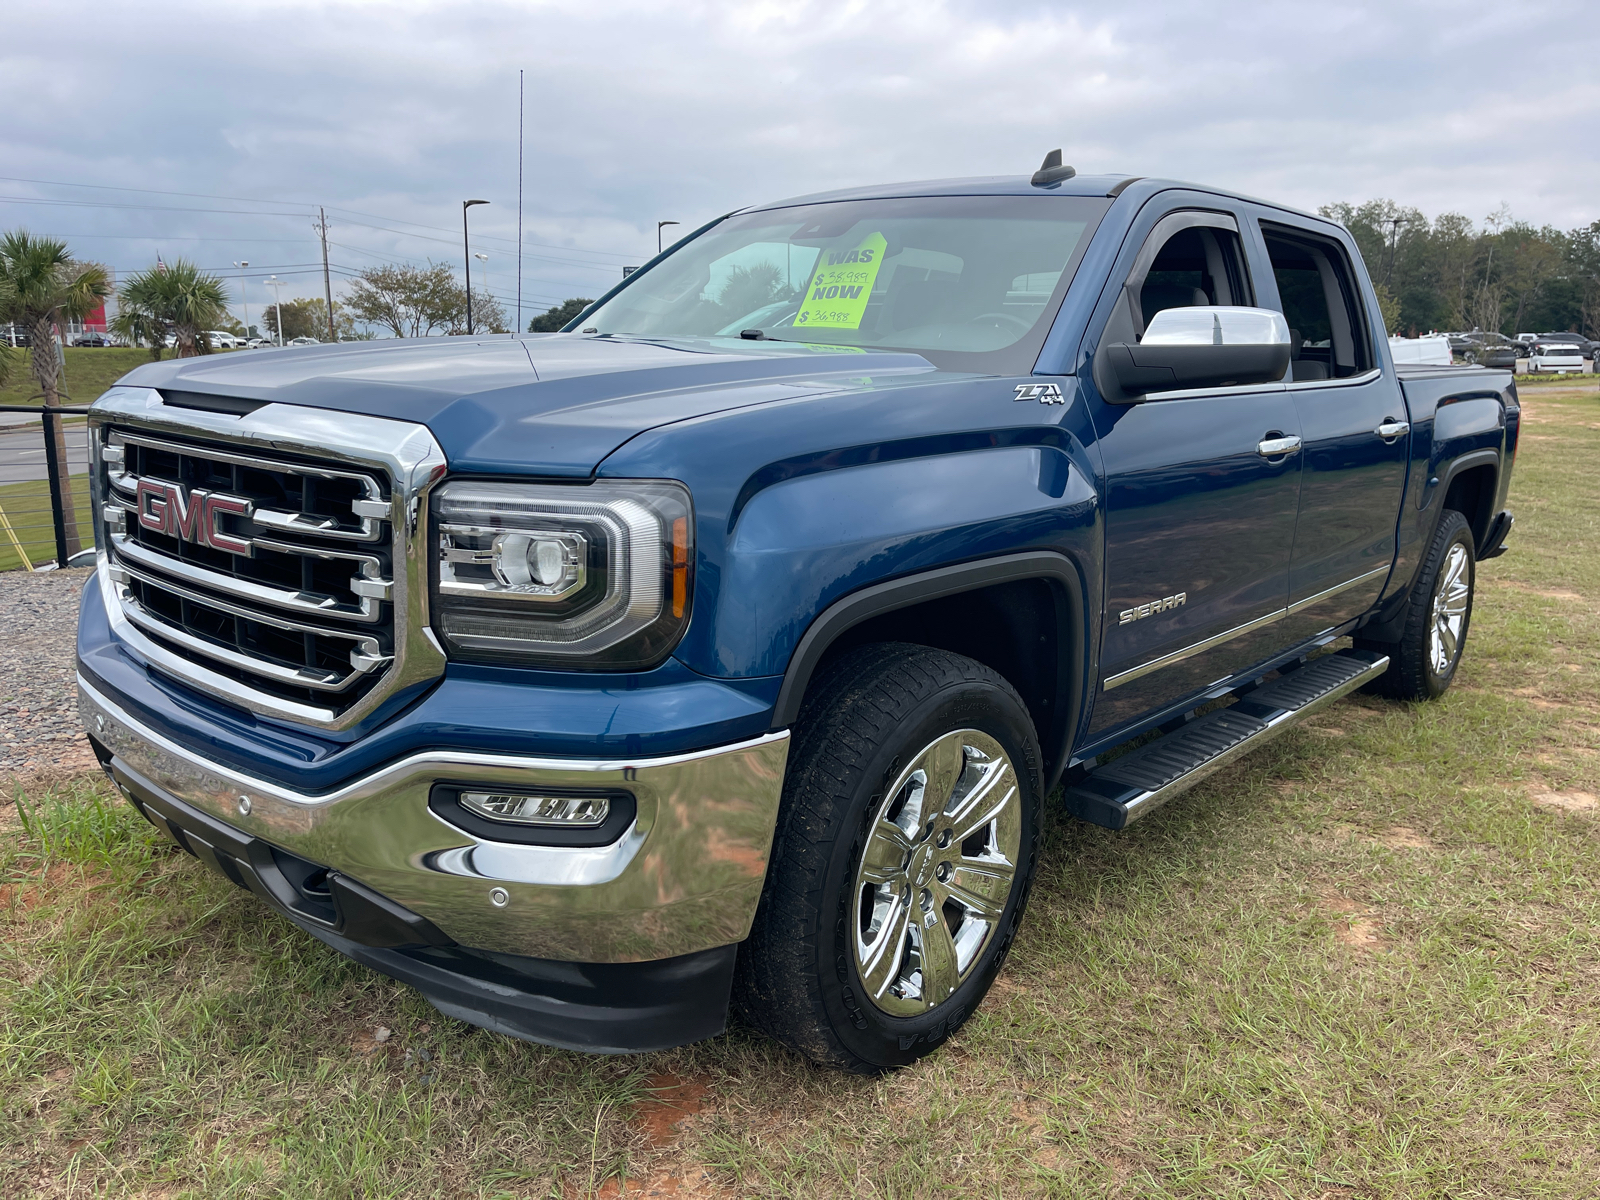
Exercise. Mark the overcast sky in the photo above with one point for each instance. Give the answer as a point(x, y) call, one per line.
point(391, 113)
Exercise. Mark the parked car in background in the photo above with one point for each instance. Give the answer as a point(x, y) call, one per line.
point(1586, 345)
point(15, 335)
point(255, 343)
point(1489, 350)
point(91, 339)
point(1556, 358)
point(304, 341)
point(221, 339)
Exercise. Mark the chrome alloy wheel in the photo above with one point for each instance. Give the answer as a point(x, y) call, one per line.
point(1451, 595)
point(936, 872)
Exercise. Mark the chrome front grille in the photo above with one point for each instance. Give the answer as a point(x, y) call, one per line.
point(260, 567)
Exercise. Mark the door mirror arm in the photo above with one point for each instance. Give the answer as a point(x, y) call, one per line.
point(1196, 347)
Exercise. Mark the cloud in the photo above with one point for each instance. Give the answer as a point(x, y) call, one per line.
point(640, 112)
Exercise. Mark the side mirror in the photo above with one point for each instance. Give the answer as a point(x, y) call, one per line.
point(1195, 348)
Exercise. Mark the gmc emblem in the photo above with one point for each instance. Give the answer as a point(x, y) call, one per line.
point(192, 516)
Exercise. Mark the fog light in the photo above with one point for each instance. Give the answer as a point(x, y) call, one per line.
point(560, 812)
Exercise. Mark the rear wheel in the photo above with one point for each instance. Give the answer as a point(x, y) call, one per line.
point(1424, 661)
point(905, 851)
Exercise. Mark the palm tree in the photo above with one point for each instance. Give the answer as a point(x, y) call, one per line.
point(140, 327)
point(41, 285)
point(180, 297)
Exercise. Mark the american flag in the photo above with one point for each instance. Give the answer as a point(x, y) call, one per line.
point(160, 266)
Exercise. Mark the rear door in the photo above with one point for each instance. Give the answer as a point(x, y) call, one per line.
point(1355, 428)
point(1199, 521)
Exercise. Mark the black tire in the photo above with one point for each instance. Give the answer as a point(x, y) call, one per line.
point(1415, 672)
point(862, 728)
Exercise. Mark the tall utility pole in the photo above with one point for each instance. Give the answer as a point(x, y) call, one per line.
point(327, 285)
point(466, 253)
point(519, 202)
point(244, 295)
point(278, 304)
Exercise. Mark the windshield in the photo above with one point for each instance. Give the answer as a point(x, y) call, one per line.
point(969, 282)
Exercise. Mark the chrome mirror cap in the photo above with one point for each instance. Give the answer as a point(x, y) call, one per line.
point(1216, 325)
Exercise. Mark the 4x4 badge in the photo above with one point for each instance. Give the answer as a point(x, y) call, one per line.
point(1044, 393)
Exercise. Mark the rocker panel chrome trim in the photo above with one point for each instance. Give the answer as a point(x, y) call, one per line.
point(1200, 647)
point(1330, 593)
point(1178, 656)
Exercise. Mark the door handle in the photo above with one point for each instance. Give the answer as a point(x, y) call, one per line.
point(1278, 446)
point(1391, 429)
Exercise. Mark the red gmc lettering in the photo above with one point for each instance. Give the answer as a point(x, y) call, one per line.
point(151, 503)
point(216, 508)
point(191, 516)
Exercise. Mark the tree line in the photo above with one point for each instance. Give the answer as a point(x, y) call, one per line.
point(1502, 276)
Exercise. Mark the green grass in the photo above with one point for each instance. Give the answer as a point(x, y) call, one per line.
point(1363, 962)
point(27, 508)
point(90, 370)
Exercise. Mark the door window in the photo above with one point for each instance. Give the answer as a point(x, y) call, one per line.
point(1327, 325)
point(1190, 259)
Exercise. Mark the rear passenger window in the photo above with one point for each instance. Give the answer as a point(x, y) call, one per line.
point(1327, 324)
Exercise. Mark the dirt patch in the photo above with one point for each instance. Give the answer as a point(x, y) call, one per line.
point(672, 1103)
point(1402, 837)
point(1573, 802)
point(1546, 593)
point(686, 1183)
point(366, 1042)
point(1533, 697)
point(58, 878)
point(1353, 925)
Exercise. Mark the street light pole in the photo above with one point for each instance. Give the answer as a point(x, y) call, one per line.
point(244, 295)
point(276, 285)
point(659, 224)
point(466, 254)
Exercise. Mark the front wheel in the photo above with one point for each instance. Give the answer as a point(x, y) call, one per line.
point(905, 851)
point(1424, 661)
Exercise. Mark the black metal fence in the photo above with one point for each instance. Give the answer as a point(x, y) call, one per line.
point(45, 514)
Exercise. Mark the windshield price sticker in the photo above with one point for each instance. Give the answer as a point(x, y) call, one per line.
point(836, 297)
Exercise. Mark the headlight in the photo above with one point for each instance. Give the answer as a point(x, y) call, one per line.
point(596, 575)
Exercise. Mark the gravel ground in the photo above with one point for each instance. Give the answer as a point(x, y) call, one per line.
point(39, 729)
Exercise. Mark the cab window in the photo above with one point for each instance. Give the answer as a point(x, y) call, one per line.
point(1327, 325)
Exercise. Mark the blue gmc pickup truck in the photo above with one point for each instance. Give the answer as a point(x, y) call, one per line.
point(718, 653)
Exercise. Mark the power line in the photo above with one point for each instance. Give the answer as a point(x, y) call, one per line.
point(294, 203)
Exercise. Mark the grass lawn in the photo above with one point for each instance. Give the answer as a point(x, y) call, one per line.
point(27, 508)
point(1364, 962)
point(90, 371)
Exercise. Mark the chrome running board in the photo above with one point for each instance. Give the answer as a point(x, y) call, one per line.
point(1142, 780)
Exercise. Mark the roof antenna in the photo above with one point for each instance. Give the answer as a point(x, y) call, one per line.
point(1052, 172)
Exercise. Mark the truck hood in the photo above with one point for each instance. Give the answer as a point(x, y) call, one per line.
point(544, 404)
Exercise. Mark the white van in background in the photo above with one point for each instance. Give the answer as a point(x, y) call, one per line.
point(1433, 350)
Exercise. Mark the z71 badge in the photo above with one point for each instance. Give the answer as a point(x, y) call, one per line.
point(1044, 393)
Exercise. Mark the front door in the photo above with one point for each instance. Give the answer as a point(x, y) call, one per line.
point(1201, 502)
point(1356, 437)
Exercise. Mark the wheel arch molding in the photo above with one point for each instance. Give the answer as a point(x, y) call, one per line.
point(1001, 611)
point(1439, 498)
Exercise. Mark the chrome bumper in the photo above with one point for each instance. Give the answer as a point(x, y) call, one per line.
point(685, 876)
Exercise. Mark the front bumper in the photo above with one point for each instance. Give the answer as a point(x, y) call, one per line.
point(602, 1008)
point(684, 877)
